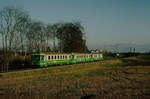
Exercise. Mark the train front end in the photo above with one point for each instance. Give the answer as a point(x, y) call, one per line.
point(37, 59)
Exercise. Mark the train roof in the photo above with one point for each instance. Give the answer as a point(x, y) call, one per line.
point(44, 53)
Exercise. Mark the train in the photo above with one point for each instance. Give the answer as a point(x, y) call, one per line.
point(45, 59)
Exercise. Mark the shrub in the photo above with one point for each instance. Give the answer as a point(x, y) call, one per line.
point(19, 62)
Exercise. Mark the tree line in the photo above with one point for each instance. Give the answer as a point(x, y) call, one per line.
point(20, 33)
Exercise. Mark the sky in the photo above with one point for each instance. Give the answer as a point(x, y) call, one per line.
point(107, 23)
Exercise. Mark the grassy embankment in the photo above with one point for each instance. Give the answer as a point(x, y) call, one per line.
point(116, 78)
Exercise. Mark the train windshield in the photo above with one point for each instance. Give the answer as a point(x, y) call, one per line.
point(37, 57)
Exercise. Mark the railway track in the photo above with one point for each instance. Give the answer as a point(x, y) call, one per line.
point(38, 68)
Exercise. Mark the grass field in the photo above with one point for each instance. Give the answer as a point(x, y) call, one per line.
point(115, 78)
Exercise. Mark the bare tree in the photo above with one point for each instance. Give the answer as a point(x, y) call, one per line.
point(49, 35)
point(70, 37)
point(36, 37)
point(12, 24)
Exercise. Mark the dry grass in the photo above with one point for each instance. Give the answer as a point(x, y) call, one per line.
point(107, 79)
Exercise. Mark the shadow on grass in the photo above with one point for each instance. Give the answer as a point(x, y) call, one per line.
point(135, 62)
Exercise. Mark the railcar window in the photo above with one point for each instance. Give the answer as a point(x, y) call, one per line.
point(65, 57)
point(69, 57)
point(49, 57)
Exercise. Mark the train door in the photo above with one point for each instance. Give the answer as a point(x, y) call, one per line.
point(42, 59)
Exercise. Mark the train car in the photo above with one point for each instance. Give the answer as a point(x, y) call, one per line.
point(44, 59)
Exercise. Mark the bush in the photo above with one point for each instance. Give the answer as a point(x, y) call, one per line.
point(144, 56)
point(108, 57)
point(19, 62)
point(4, 61)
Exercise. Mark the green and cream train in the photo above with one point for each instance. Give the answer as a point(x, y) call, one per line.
point(44, 59)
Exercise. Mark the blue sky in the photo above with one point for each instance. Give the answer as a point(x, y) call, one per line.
point(106, 22)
